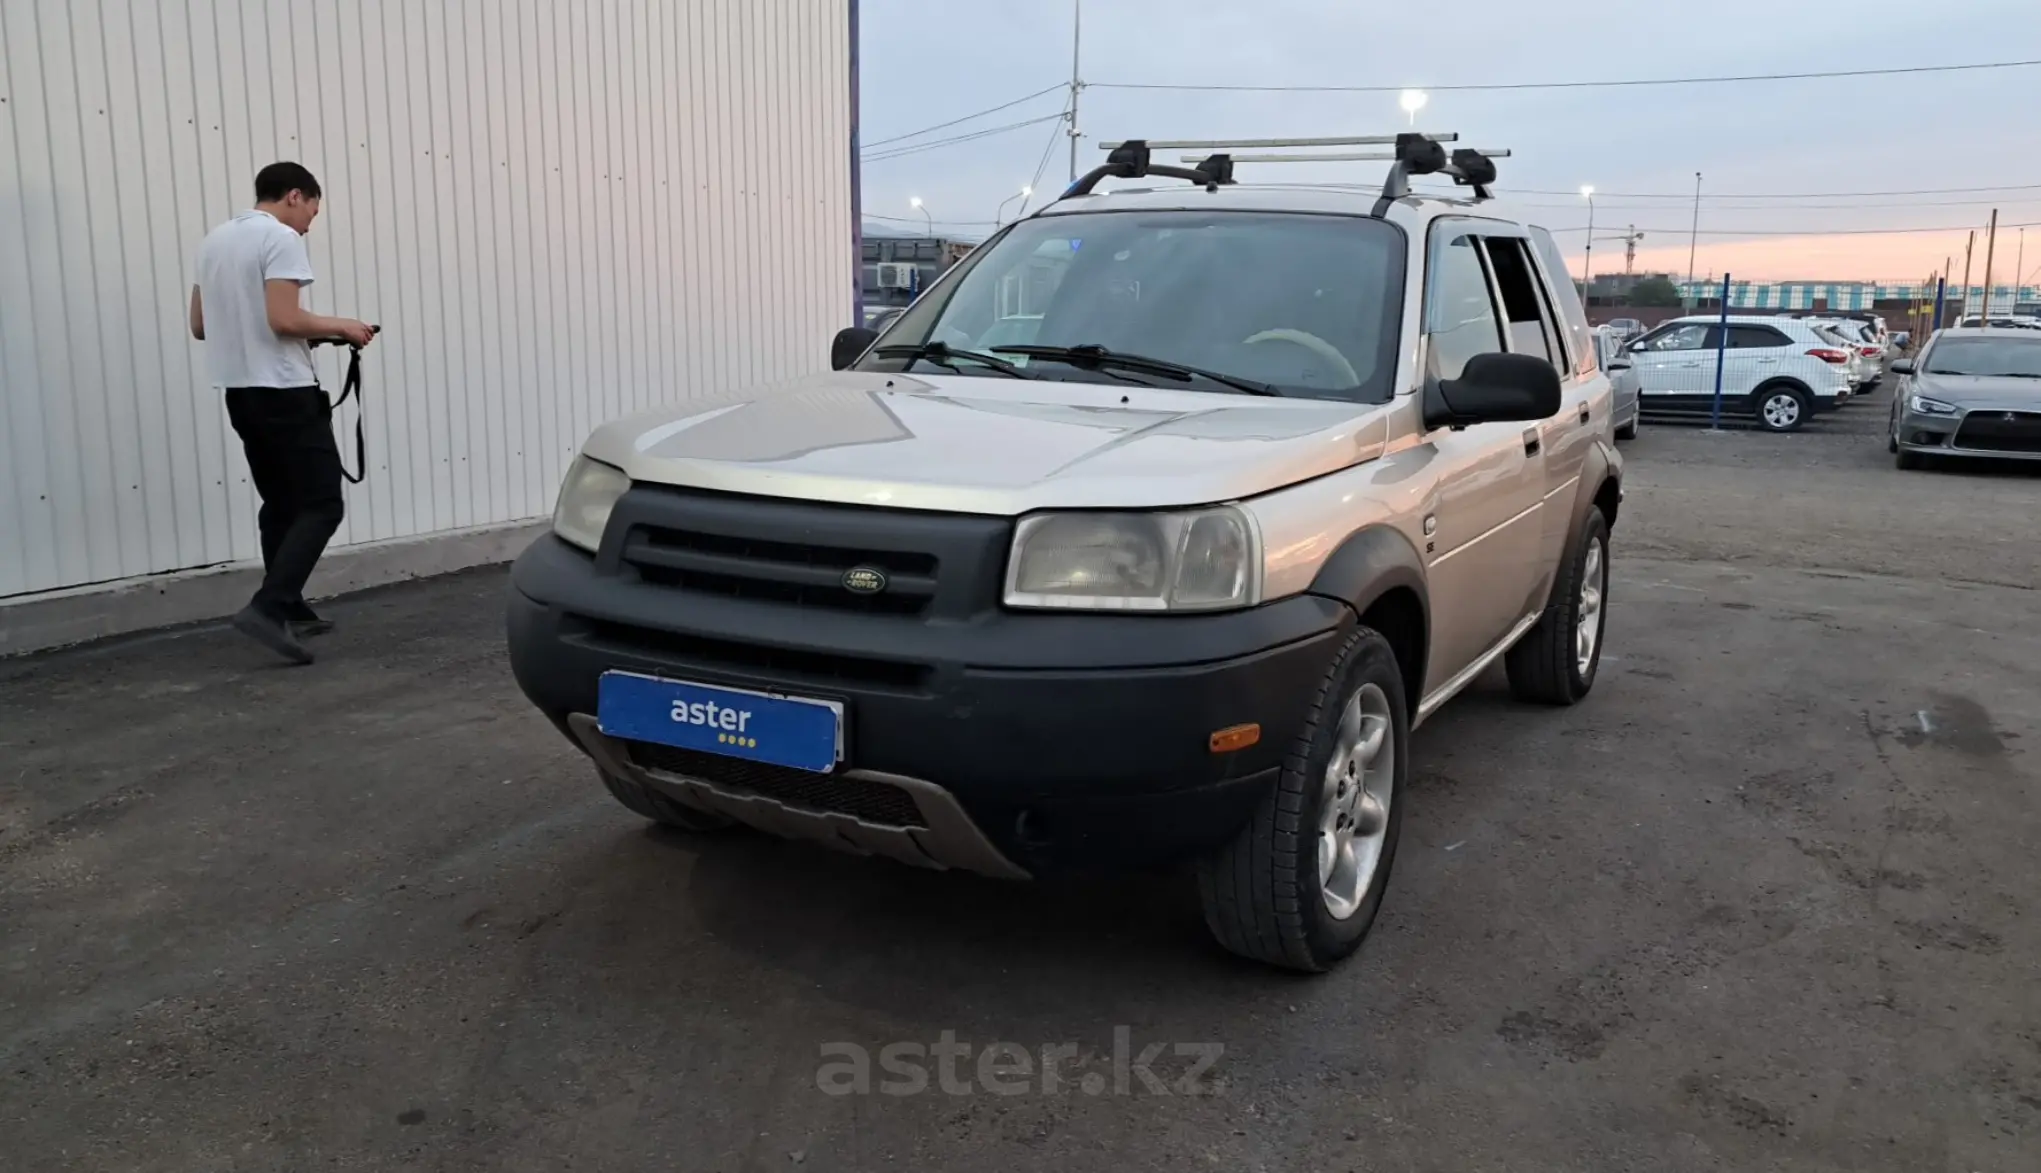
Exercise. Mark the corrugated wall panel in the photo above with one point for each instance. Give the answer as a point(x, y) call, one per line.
point(559, 210)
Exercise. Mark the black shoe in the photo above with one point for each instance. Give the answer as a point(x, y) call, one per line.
point(271, 633)
point(305, 622)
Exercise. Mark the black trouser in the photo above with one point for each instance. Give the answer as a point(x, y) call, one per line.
point(287, 433)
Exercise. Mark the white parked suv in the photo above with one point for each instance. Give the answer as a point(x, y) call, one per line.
point(1775, 370)
point(1146, 535)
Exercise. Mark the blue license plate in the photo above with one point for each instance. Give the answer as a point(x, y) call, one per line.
point(760, 727)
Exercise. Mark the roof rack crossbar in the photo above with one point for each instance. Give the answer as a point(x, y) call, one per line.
point(1354, 157)
point(1367, 140)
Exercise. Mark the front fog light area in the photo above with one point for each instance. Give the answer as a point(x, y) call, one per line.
point(1190, 561)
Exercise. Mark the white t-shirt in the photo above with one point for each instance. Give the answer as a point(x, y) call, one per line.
point(233, 262)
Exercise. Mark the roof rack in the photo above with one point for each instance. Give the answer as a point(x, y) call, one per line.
point(1412, 153)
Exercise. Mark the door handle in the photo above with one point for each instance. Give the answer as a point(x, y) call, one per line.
point(1584, 413)
point(1532, 442)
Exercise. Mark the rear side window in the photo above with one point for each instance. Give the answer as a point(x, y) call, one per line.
point(1459, 313)
point(1530, 329)
point(1756, 338)
point(1560, 281)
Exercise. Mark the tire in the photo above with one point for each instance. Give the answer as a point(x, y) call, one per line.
point(1773, 411)
point(1265, 894)
point(1628, 431)
point(1901, 458)
point(1545, 666)
point(643, 800)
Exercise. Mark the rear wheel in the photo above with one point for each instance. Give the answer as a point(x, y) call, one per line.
point(643, 800)
point(1781, 408)
point(1629, 431)
point(1300, 885)
point(1556, 661)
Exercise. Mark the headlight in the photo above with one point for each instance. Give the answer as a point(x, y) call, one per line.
point(586, 498)
point(1926, 406)
point(1197, 560)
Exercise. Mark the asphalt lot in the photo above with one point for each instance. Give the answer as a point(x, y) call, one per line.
point(1764, 901)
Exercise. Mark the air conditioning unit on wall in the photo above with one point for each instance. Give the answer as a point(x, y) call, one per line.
point(896, 276)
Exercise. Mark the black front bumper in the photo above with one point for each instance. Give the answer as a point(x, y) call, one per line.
point(1072, 741)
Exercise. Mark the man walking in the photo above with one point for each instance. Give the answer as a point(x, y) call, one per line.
point(245, 308)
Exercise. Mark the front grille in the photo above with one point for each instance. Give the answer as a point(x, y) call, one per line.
point(780, 664)
point(860, 798)
point(2001, 431)
point(799, 574)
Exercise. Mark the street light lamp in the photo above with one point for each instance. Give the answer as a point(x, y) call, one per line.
point(999, 217)
point(918, 206)
point(1412, 101)
point(1587, 263)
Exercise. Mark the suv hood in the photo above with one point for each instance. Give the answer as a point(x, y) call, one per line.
point(991, 445)
point(1981, 392)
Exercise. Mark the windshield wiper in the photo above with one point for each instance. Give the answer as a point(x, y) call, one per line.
point(1092, 355)
point(943, 354)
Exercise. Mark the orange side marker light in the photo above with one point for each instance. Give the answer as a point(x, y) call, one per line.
point(1235, 737)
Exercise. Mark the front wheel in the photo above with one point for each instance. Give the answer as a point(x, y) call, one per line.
point(1781, 409)
point(1556, 661)
point(1300, 885)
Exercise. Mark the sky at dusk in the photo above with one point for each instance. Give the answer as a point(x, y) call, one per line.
point(1824, 140)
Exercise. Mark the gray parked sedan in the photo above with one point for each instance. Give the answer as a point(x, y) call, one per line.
point(1972, 392)
point(1626, 407)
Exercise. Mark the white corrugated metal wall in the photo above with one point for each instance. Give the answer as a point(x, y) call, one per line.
point(559, 210)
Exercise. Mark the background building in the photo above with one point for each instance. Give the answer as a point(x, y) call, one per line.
point(558, 212)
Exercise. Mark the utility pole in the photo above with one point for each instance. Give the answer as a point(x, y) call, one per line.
point(1076, 83)
point(1693, 240)
point(1990, 242)
point(1968, 247)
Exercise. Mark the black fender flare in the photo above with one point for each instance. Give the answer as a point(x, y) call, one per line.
point(1370, 563)
point(1601, 482)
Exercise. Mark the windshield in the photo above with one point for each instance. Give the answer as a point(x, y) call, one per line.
point(2018, 358)
point(1307, 305)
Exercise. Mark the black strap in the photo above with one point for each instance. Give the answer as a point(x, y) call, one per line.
point(350, 388)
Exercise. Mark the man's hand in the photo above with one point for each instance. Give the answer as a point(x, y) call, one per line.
point(356, 333)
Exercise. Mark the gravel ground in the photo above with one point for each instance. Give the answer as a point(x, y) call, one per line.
point(1765, 901)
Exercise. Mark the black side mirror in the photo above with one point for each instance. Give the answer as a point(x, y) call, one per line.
point(851, 341)
point(1902, 366)
point(1495, 388)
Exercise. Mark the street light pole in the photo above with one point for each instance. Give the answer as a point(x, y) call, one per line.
point(1587, 261)
point(1693, 240)
point(918, 206)
point(999, 217)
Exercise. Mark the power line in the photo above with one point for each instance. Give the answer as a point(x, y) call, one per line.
point(1563, 85)
point(1683, 231)
point(1687, 196)
point(919, 220)
point(1711, 206)
point(967, 118)
point(954, 140)
point(1036, 183)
